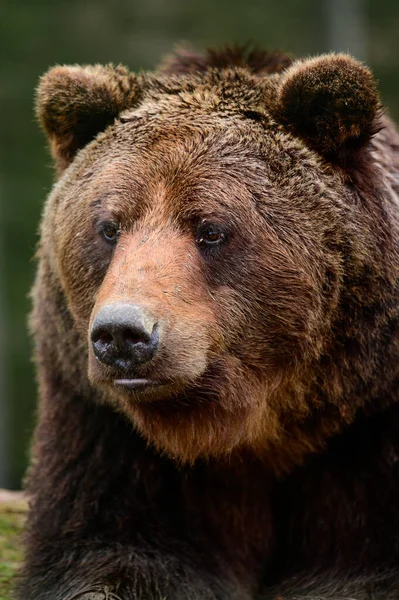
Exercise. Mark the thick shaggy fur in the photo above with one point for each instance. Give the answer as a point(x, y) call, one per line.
point(266, 465)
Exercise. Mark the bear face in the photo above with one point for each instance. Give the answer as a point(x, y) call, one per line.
point(206, 245)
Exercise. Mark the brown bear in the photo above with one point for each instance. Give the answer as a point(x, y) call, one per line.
point(216, 334)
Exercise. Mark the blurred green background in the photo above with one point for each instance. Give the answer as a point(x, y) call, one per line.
point(37, 34)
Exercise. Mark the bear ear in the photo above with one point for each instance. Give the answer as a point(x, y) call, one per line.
point(75, 103)
point(331, 102)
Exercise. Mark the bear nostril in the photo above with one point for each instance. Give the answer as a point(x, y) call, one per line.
point(103, 338)
point(131, 337)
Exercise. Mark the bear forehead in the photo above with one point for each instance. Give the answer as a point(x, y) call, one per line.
point(224, 171)
point(134, 171)
point(197, 145)
point(193, 118)
point(188, 139)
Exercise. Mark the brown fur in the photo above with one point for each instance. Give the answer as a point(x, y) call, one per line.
point(272, 347)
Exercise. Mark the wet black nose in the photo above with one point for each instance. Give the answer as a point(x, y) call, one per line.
point(123, 336)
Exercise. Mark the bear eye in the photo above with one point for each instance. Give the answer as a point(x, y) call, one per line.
point(110, 232)
point(210, 235)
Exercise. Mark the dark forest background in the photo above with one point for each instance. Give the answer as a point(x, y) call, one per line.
point(37, 34)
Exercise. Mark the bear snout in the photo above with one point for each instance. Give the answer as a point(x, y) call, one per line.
point(123, 336)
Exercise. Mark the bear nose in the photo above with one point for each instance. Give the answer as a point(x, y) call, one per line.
point(123, 336)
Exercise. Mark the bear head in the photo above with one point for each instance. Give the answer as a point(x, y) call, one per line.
point(213, 236)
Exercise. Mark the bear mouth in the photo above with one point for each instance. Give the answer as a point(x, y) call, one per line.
point(137, 384)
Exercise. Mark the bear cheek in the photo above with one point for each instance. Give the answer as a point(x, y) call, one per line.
point(82, 267)
point(269, 308)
